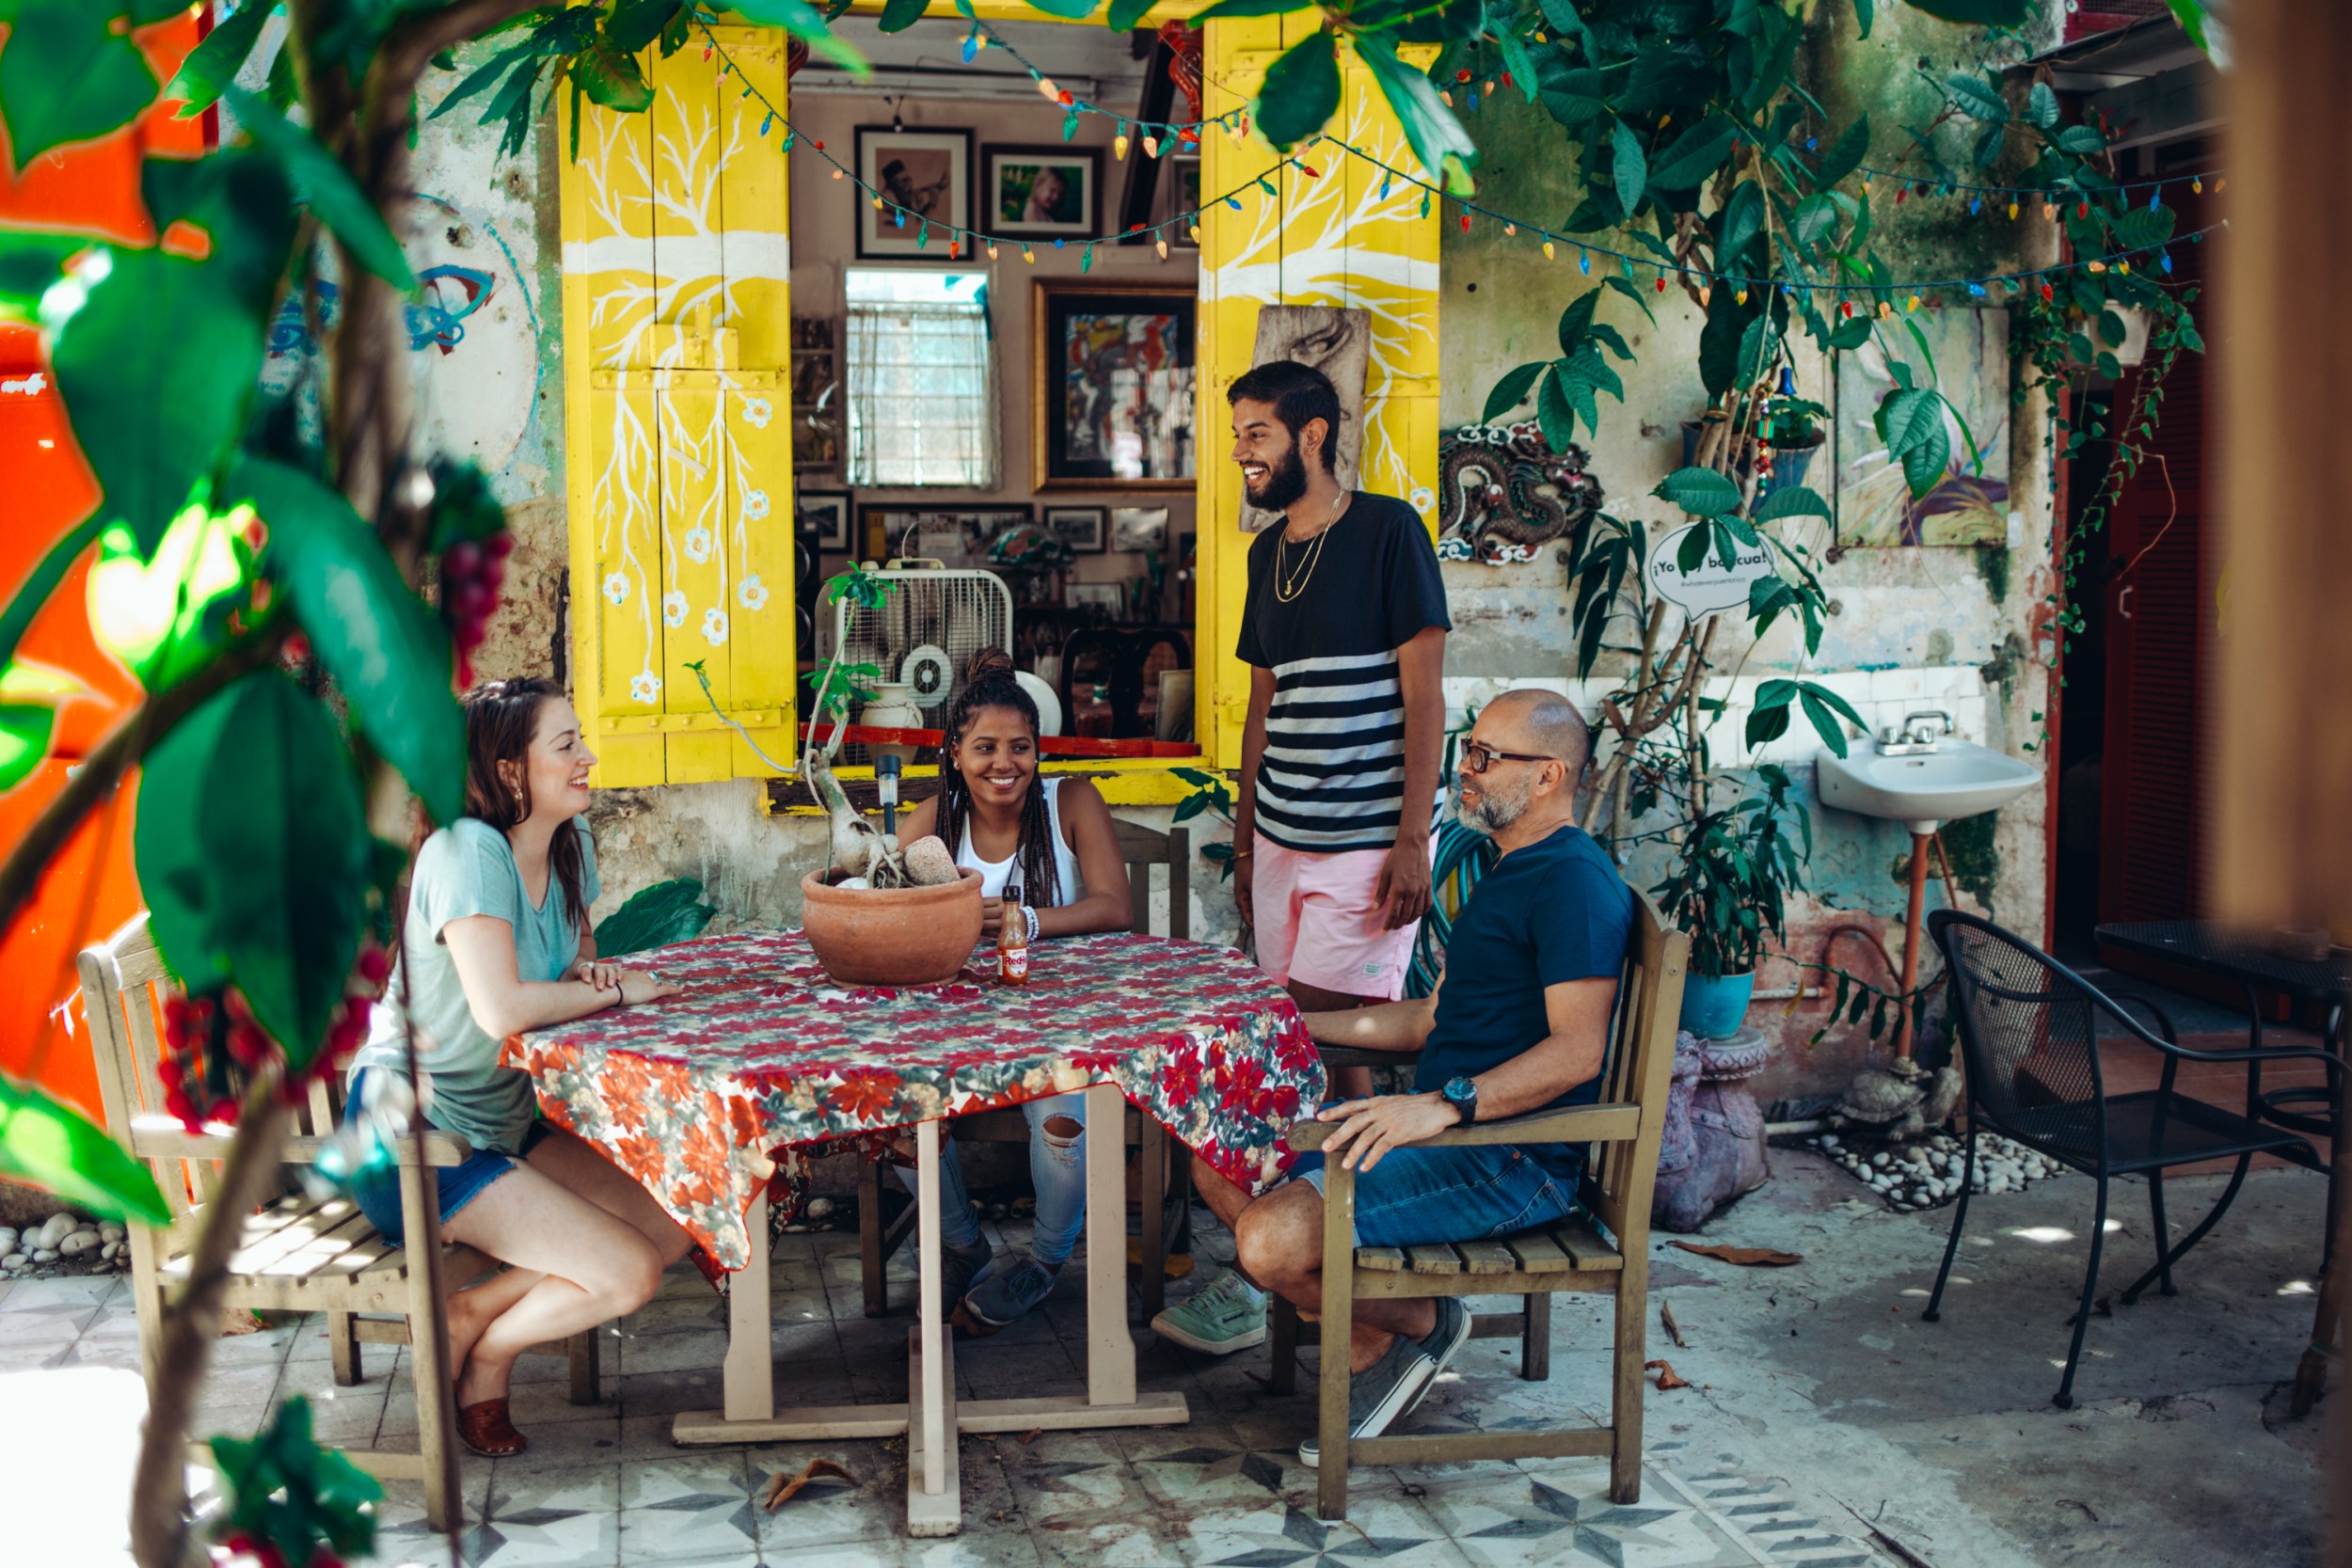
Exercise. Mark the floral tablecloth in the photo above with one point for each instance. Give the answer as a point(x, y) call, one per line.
point(762, 1052)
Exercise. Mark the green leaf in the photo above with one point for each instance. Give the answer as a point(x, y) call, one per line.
point(654, 917)
point(1693, 550)
point(633, 24)
point(1813, 220)
point(252, 851)
point(1071, 10)
point(323, 182)
point(1573, 98)
point(1845, 154)
point(25, 729)
point(1127, 15)
point(1510, 390)
point(2191, 14)
point(386, 651)
point(32, 594)
point(1695, 154)
point(1701, 492)
point(1825, 707)
point(213, 64)
point(1759, 345)
point(1555, 413)
point(1575, 320)
point(1925, 459)
point(611, 79)
point(1580, 377)
point(2081, 139)
point(1445, 150)
point(1520, 61)
point(1978, 97)
point(2042, 108)
point(1989, 144)
point(1628, 169)
point(53, 1146)
point(480, 78)
point(1737, 224)
point(1301, 91)
point(1849, 334)
point(1794, 501)
point(67, 77)
point(1904, 416)
point(1624, 286)
point(29, 263)
point(2111, 329)
point(806, 22)
point(1249, 8)
point(1865, 12)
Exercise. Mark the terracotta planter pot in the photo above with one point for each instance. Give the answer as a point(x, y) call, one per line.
point(913, 936)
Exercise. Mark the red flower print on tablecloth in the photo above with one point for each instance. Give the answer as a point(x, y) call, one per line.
point(763, 1055)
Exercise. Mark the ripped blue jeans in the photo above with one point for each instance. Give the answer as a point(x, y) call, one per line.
point(1057, 1169)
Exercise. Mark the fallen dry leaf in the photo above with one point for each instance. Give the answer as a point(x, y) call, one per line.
point(1032, 1434)
point(1674, 1329)
point(1746, 1257)
point(782, 1489)
point(236, 1320)
point(1666, 1377)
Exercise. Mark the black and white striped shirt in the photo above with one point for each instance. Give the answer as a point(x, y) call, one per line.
point(1333, 775)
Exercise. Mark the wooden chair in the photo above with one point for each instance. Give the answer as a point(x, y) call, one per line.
point(1574, 1254)
point(299, 1253)
point(1165, 1183)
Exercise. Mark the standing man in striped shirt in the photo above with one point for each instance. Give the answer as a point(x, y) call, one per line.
point(1344, 631)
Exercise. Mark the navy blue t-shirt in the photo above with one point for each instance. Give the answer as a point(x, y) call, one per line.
point(1553, 911)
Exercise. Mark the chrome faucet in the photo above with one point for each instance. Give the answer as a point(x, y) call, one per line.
point(1917, 732)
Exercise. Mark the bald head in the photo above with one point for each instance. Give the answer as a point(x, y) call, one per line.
point(1544, 723)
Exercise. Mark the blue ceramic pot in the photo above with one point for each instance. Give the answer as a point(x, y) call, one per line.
point(1714, 1010)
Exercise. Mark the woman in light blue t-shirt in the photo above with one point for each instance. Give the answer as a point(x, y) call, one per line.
point(496, 942)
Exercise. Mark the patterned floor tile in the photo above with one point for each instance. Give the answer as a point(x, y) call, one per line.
point(547, 1517)
point(1564, 1516)
point(1285, 1535)
point(700, 1505)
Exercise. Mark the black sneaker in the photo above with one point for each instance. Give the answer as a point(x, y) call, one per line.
point(1379, 1394)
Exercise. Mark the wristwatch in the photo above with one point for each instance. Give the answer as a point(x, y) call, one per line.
point(1462, 1094)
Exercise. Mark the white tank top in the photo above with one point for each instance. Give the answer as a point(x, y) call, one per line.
point(994, 874)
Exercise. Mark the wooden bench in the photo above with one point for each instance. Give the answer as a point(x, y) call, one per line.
point(1165, 1183)
point(1577, 1253)
point(297, 1253)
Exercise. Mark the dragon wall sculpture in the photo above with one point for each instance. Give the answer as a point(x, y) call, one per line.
point(1503, 493)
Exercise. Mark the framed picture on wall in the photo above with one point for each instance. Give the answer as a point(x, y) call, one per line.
point(923, 177)
point(824, 517)
point(958, 534)
point(1042, 190)
point(1179, 201)
point(1109, 597)
point(1078, 527)
point(1111, 390)
point(1139, 528)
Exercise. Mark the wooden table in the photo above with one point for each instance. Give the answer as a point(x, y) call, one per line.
point(703, 1096)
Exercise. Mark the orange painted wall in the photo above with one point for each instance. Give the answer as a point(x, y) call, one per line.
point(94, 188)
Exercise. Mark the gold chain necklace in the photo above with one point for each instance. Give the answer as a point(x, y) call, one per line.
point(1288, 585)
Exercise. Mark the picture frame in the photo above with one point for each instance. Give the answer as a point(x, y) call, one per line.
point(1016, 181)
point(890, 528)
point(926, 171)
point(824, 516)
point(1110, 597)
point(1083, 529)
point(1111, 385)
point(1178, 198)
point(1139, 528)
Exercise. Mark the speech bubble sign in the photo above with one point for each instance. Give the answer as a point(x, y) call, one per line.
point(1708, 586)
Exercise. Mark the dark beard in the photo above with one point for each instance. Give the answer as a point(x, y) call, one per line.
point(1286, 481)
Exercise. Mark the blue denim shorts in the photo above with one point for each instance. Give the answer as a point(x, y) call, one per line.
point(377, 1192)
point(1417, 1197)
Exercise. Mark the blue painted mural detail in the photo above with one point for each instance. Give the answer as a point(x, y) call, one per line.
point(451, 294)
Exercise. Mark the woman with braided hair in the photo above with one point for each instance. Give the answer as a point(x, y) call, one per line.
point(1047, 848)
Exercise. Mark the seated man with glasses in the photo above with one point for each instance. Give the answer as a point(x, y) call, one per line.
point(1520, 1022)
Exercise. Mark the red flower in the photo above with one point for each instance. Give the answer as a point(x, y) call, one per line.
point(863, 1096)
point(1180, 1079)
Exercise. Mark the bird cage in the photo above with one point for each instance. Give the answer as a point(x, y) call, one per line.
point(923, 632)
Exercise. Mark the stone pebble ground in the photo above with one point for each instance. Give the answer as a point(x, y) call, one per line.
point(64, 1243)
point(1927, 1174)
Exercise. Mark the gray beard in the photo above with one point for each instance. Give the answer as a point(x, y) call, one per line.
point(1492, 814)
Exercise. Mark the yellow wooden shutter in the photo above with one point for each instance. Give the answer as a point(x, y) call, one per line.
point(1330, 238)
point(677, 313)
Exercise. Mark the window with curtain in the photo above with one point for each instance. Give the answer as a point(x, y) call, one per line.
point(922, 381)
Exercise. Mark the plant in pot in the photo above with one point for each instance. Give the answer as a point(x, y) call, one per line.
point(1727, 890)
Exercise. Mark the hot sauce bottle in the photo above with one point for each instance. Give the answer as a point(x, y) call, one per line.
point(1012, 942)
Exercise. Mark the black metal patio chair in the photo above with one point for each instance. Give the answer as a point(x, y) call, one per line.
point(2029, 1040)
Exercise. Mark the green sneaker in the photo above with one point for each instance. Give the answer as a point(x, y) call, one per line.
point(1223, 1316)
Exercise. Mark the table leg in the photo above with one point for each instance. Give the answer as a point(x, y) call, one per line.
point(1110, 1348)
point(750, 1374)
point(926, 1373)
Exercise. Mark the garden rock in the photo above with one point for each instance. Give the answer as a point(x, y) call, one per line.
point(56, 1229)
point(1711, 1150)
point(79, 1242)
point(8, 1241)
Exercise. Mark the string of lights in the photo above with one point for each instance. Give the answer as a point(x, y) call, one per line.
point(1881, 296)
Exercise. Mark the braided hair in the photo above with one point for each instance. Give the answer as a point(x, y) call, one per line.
point(989, 682)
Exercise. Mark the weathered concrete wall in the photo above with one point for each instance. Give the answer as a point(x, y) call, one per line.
point(1913, 628)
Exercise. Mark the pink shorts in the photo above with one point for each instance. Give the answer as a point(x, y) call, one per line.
point(1316, 921)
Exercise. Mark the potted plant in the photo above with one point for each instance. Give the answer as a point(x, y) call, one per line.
point(1727, 890)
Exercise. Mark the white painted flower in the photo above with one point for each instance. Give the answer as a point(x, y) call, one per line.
point(754, 505)
point(752, 592)
point(757, 412)
point(715, 627)
point(644, 687)
point(616, 588)
point(698, 544)
point(1423, 497)
point(674, 608)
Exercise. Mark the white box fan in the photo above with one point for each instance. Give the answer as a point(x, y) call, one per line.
point(933, 620)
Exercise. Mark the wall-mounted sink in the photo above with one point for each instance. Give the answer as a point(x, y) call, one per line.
point(1957, 778)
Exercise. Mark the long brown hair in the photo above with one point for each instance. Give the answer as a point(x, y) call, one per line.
point(500, 718)
point(989, 682)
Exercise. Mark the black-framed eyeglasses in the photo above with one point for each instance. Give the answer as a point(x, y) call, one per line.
point(1477, 755)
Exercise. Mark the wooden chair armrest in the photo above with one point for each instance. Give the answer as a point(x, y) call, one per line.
point(1359, 1055)
point(1574, 1124)
point(161, 1137)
